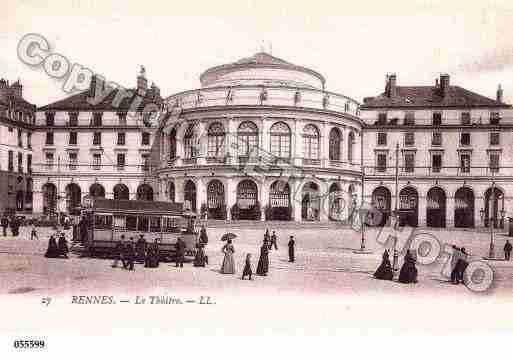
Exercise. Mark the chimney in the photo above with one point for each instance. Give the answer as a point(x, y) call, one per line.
point(445, 82)
point(391, 85)
point(17, 89)
point(142, 83)
point(4, 89)
point(500, 94)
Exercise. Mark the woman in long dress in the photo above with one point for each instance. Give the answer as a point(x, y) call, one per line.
point(384, 271)
point(247, 271)
point(408, 273)
point(228, 266)
point(263, 262)
point(200, 259)
point(53, 249)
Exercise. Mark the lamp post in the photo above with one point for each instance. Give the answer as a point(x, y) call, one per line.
point(492, 220)
point(396, 255)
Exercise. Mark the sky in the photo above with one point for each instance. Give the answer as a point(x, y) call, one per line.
point(353, 44)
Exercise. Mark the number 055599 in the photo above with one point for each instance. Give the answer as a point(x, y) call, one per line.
point(29, 344)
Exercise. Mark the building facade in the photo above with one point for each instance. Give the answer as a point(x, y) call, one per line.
point(16, 122)
point(454, 155)
point(95, 143)
point(261, 139)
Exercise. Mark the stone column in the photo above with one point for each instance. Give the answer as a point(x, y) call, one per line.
point(179, 188)
point(180, 152)
point(231, 195)
point(202, 141)
point(263, 195)
point(296, 194)
point(324, 145)
point(230, 141)
point(201, 194)
point(478, 205)
point(37, 202)
point(449, 211)
point(422, 207)
point(264, 135)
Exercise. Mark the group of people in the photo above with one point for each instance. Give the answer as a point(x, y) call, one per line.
point(57, 248)
point(13, 222)
point(269, 242)
point(408, 273)
point(459, 262)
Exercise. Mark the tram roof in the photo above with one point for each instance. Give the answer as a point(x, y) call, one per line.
point(150, 207)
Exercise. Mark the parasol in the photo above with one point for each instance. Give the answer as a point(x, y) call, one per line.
point(228, 236)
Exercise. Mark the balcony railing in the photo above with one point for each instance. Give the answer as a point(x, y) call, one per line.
point(465, 172)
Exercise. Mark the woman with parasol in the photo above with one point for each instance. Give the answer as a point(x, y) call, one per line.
point(228, 266)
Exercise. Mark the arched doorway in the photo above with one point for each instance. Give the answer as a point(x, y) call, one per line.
point(215, 200)
point(279, 202)
point(310, 203)
point(171, 192)
point(97, 190)
point(336, 202)
point(49, 198)
point(247, 201)
point(73, 198)
point(144, 192)
point(189, 195)
point(382, 201)
point(464, 208)
point(496, 203)
point(409, 207)
point(435, 210)
point(121, 192)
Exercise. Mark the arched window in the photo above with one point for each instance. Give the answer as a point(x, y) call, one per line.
point(350, 146)
point(121, 192)
point(172, 144)
point(144, 192)
point(247, 138)
point(215, 139)
point(97, 190)
point(335, 144)
point(280, 140)
point(310, 142)
point(189, 142)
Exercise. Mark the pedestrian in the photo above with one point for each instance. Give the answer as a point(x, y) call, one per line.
point(200, 259)
point(141, 248)
point(461, 265)
point(52, 251)
point(203, 238)
point(118, 251)
point(180, 252)
point(384, 271)
point(408, 273)
point(228, 266)
point(454, 261)
point(247, 271)
point(14, 229)
point(5, 224)
point(274, 241)
point(291, 245)
point(507, 250)
point(63, 246)
point(263, 261)
point(152, 258)
point(33, 233)
point(267, 238)
point(131, 254)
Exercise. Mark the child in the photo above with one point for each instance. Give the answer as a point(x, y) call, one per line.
point(33, 233)
point(247, 268)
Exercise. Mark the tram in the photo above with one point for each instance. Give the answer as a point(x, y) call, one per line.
point(104, 221)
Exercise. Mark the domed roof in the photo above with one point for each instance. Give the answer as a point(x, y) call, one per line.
point(263, 69)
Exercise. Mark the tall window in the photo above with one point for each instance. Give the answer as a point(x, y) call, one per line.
point(97, 138)
point(436, 139)
point(215, 139)
point(72, 138)
point(495, 118)
point(409, 139)
point(172, 144)
point(436, 162)
point(189, 142)
point(409, 118)
point(97, 161)
point(495, 138)
point(409, 161)
point(97, 119)
point(280, 140)
point(50, 118)
point(335, 145)
point(73, 119)
point(20, 162)
point(465, 139)
point(465, 118)
point(122, 118)
point(247, 138)
point(29, 163)
point(145, 139)
point(437, 118)
point(49, 160)
point(121, 161)
point(49, 138)
point(121, 138)
point(381, 160)
point(382, 139)
point(145, 162)
point(11, 161)
point(20, 141)
point(382, 118)
point(310, 142)
point(465, 162)
point(29, 140)
point(72, 156)
point(350, 146)
point(494, 161)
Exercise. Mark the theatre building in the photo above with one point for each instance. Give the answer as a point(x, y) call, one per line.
point(454, 151)
point(16, 121)
point(97, 146)
point(261, 139)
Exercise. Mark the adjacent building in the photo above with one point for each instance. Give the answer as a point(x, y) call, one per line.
point(16, 129)
point(451, 147)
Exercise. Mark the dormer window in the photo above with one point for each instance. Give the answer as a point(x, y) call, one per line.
point(409, 118)
point(465, 118)
point(50, 118)
point(382, 118)
point(73, 119)
point(437, 118)
point(494, 118)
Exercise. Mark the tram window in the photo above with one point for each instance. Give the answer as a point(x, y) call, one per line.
point(170, 225)
point(131, 223)
point(155, 224)
point(119, 222)
point(103, 222)
point(142, 224)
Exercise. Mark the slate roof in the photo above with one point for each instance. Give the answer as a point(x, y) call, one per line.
point(156, 207)
point(430, 96)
